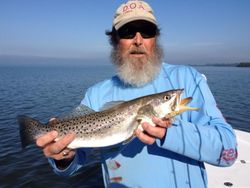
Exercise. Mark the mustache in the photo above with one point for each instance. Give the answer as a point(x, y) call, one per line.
point(137, 50)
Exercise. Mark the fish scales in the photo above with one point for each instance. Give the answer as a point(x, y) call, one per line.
point(85, 126)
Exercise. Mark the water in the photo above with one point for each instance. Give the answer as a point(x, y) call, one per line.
point(231, 89)
point(44, 92)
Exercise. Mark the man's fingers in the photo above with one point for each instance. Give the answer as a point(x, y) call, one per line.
point(151, 133)
point(165, 122)
point(61, 144)
point(49, 137)
point(66, 140)
point(69, 155)
point(144, 137)
point(46, 139)
point(157, 132)
point(56, 149)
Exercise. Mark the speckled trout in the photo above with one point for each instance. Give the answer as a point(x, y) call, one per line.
point(110, 126)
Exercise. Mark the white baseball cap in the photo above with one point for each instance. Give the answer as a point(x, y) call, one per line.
point(131, 11)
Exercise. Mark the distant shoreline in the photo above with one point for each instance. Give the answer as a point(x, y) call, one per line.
point(242, 64)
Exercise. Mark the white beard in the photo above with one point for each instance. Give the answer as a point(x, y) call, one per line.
point(135, 75)
point(137, 71)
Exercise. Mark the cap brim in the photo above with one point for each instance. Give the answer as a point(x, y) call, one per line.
point(119, 25)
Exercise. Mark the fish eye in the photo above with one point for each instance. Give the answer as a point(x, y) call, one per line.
point(166, 97)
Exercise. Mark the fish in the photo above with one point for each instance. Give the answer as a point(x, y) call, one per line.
point(114, 124)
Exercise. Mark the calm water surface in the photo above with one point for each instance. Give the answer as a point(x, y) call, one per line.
point(43, 92)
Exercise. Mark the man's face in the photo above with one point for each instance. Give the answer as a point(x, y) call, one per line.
point(136, 44)
point(138, 50)
point(138, 56)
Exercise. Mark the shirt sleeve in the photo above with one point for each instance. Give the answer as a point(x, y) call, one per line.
point(203, 135)
point(77, 163)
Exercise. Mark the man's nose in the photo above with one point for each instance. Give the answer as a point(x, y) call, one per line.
point(138, 39)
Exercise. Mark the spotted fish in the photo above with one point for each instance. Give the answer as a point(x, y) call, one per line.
point(111, 126)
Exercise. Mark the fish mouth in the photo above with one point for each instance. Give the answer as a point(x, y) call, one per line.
point(181, 106)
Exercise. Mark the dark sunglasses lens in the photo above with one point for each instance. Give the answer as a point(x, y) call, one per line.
point(126, 33)
point(130, 32)
point(148, 32)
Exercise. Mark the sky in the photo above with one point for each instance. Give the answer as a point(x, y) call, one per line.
point(193, 31)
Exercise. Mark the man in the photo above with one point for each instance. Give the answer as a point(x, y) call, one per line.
point(170, 154)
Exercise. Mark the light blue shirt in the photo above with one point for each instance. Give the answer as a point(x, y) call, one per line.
point(176, 161)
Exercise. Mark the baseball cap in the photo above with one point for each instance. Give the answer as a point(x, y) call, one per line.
point(131, 11)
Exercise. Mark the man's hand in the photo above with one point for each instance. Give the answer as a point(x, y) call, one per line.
point(56, 150)
point(151, 133)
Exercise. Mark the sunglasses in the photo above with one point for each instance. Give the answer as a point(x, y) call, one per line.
point(129, 31)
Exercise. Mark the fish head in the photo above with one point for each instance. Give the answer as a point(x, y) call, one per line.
point(169, 104)
point(166, 102)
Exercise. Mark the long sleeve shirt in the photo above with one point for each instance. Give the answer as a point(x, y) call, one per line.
point(177, 160)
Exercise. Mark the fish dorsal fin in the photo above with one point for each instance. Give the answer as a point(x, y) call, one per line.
point(111, 104)
point(80, 110)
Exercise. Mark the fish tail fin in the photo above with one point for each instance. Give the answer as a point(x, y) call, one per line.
point(28, 129)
